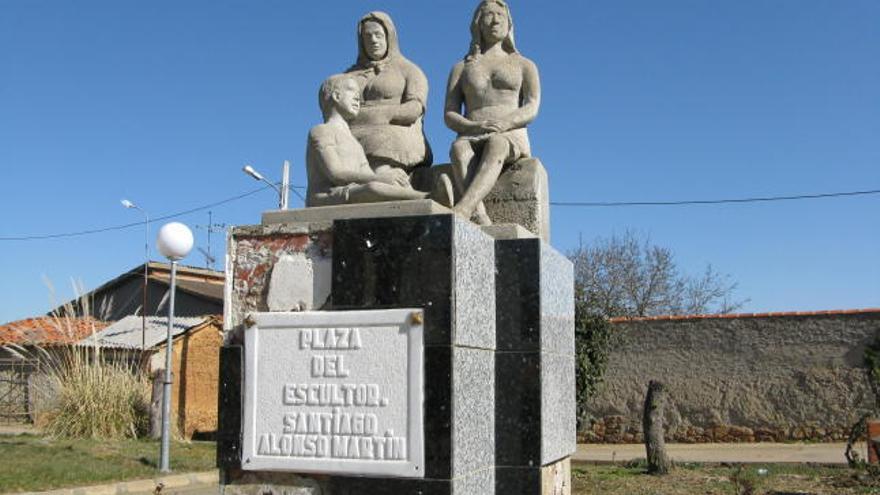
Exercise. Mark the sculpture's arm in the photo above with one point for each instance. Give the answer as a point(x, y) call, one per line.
point(454, 101)
point(333, 163)
point(414, 97)
point(408, 113)
point(530, 101)
point(384, 114)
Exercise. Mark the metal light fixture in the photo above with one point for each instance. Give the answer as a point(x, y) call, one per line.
point(175, 241)
point(285, 182)
point(131, 206)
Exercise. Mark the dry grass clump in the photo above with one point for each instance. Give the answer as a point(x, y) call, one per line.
point(82, 391)
point(93, 398)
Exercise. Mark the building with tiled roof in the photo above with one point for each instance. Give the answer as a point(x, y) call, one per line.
point(49, 330)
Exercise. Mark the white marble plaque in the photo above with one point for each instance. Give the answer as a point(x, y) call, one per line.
point(336, 392)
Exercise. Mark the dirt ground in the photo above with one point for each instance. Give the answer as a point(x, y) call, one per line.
point(696, 479)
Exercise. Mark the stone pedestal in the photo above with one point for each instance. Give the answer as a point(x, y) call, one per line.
point(535, 431)
point(498, 342)
point(439, 263)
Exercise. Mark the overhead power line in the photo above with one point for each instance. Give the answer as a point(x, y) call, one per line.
point(554, 203)
point(713, 201)
point(133, 224)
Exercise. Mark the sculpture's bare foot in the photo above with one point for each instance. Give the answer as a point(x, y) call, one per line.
point(443, 191)
point(460, 211)
point(481, 218)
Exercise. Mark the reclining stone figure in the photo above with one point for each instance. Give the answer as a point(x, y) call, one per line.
point(337, 167)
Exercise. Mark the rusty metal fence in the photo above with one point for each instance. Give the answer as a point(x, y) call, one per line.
point(15, 393)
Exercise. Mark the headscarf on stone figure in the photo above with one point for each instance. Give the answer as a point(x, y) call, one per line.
point(401, 146)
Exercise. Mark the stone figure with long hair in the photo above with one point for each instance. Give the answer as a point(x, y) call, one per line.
point(492, 95)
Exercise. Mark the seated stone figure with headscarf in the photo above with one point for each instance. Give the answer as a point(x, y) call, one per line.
point(394, 92)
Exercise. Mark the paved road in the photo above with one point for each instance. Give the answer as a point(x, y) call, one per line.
point(821, 453)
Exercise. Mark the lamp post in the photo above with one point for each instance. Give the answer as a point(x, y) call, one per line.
point(175, 241)
point(128, 204)
point(285, 183)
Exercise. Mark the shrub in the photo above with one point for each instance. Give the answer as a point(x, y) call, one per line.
point(592, 345)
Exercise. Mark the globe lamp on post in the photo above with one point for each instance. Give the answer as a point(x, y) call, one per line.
point(175, 241)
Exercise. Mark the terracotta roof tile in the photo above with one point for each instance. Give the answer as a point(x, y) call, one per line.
point(48, 330)
point(833, 312)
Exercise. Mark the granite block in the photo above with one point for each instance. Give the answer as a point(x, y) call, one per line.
point(558, 410)
point(557, 301)
point(553, 479)
point(535, 376)
point(473, 401)
point(473, 315)
point(517, 409)
point(518, 480)
point(396, 263)
point(535, 297)
point(476, 483)
point(438, 412)
point(388, 486)
point(229, 408)
point(518, 295)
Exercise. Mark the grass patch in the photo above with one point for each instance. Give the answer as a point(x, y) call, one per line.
point(33, 462)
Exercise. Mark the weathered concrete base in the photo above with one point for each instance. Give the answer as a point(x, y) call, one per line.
point(507, 231)
point(363, 210)
point(262, 483)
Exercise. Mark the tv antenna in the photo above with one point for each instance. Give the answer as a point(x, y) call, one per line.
point(211, 227)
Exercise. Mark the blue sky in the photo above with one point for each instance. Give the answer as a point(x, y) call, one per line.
point(163, 102)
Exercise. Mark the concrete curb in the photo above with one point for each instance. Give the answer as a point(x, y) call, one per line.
point(171, 484)
point(709, 453)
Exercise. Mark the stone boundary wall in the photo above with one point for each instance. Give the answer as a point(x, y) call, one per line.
point(738, 378)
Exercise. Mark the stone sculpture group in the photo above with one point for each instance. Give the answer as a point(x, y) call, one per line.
point(372, 145)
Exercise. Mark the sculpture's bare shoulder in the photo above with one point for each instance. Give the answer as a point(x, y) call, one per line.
point(323, 134)
point(525, 62)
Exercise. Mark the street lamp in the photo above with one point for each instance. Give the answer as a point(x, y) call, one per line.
point(128, 204)
point(285, 182)
point(175, 241)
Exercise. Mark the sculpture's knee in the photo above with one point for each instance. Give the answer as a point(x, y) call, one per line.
point(460, 152)
point(496, 151)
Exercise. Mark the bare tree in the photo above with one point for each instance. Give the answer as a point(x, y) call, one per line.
point(628, 276)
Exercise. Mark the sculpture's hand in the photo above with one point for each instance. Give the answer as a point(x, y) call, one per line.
point(497, 125)
point(480, 127)
point(393, 176)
